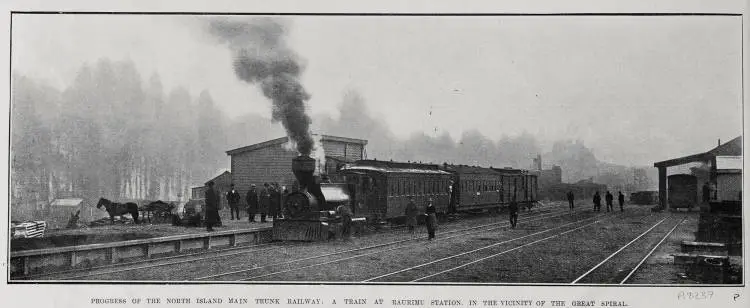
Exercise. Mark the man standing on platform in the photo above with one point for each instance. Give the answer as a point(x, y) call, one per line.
point(264, 201)
point(621, 200)
point(252, 202)
point(233, 198)
point(212, 207)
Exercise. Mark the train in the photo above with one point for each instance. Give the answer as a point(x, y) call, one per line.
point(378, 192)
point(682, 191)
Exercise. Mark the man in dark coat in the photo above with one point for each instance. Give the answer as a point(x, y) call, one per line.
point(212, 207)
point(264, 201)
point(233, 199)
point(411, 215)
point(513, 212)
point(275, 206)
point(621, 200)
point(571, 199)
point(609, 198)
point(597, 202)
point(252, 202)
point(431, 220)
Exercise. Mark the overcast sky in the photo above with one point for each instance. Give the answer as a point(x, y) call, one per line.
point(636, 89)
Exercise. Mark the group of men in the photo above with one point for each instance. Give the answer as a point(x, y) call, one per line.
point(267, 201)
point(608, 198)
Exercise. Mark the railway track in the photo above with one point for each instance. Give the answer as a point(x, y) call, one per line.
point(296, 266)
point(439, 262)
point(433, 270)
point(270, 270)
point(618, 268)
point(214, 254)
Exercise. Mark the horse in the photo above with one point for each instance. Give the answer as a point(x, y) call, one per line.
point(159, 209)
point(119, 209)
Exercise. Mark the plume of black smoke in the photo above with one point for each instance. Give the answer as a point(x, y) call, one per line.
point(262, 57)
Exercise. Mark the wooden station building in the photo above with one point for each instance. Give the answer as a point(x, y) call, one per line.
point(271, 161)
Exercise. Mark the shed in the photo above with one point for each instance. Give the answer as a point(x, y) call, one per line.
point(61, 209)
point(718, 164)
point(222, 184)
point(728, 178)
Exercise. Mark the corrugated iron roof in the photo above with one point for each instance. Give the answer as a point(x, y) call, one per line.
point(282, 140)
point(71, 202)
point(384, 169)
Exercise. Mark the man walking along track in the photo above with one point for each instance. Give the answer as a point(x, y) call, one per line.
point(571, 199)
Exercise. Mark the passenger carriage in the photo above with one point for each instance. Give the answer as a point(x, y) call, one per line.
point(383, 189)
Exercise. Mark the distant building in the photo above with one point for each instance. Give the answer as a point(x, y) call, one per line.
point(222, 184)
point(271, 161)
point(546, 178)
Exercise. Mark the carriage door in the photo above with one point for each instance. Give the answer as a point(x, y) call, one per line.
point(367, 195)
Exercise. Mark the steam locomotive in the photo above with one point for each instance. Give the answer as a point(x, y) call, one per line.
point(378, 191)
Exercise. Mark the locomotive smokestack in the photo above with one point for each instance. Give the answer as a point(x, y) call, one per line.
point(303, 167)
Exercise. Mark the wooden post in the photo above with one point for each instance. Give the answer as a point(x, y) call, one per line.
point(207, 243)
point(178, 246)
point(26, 266)
point(233, 239)
point(73, 259)
point(147, 250)
point(113, 255)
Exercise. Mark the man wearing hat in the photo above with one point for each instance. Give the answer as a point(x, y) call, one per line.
point(252, 202)
point(233, 198)
point(431, 220)
point(264, 201)
point(212, 207)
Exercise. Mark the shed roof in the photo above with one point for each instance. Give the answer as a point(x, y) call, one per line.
point(282, 140)
point(731, 148)
point(67, 202)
